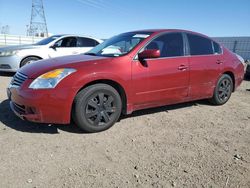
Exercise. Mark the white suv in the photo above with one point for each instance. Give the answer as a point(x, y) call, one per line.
point(14, 57)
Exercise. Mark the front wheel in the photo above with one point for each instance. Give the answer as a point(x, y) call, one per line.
point(28, 60)
point(97, 108)
point(223, 90)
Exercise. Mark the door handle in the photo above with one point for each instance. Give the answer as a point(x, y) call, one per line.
point(219, 61)
point(182, 67)
point(74, 52)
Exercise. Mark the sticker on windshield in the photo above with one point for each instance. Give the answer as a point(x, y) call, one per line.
point(141, 36)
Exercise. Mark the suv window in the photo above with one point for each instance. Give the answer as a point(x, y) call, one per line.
point(217, 48)
point(66, 42)
point(86, 42)
point(170, 45)
point(199, 45)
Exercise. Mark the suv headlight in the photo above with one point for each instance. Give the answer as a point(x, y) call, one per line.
point(8, 53)
point(51, 79)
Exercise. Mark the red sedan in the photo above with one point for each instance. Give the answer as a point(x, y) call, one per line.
point(131, 71)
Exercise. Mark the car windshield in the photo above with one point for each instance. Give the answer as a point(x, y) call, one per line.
point(119, 45)
point(48, 40)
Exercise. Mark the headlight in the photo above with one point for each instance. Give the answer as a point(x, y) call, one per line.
point(8, 53)
point(50, 79)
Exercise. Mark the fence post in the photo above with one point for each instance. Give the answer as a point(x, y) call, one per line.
point(5, 39)
point(235, 45)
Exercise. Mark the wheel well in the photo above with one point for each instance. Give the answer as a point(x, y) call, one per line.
point(115, 85)
point(28, 57)
point(233, 78)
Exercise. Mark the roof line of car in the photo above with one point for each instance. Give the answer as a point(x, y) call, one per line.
point(75, 35)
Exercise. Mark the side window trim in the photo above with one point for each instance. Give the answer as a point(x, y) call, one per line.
point(221, 49)
point(88, 38)
point(212, 42)
point(157, 36)
point(63, 38)
point(186, 44)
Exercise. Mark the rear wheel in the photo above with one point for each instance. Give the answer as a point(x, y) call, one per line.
point(97, 108)
point(223, 90)
point(28, 60)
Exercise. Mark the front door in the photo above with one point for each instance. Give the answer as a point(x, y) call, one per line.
point(63, 47)
point(163, 80)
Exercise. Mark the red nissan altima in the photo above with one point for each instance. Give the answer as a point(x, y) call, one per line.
point(128, 72)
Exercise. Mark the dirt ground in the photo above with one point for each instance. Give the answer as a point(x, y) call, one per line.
point(187, 145)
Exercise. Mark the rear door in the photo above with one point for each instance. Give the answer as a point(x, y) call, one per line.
point(162, 80)
point(206, 62)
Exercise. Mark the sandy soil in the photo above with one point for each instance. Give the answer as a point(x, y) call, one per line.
point(188, 145)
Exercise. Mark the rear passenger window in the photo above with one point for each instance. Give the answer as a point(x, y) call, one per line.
point(86, 42)
point(199, 45)
point(170, 45)
point(217, 48)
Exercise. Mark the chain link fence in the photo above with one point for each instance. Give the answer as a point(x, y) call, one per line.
point(239, 45)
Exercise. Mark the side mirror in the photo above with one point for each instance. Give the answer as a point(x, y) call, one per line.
point(54, 46)
point(147, 54)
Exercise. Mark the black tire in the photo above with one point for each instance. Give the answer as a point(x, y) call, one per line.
point(28, 60)
point(223, 90)
point(96, 108)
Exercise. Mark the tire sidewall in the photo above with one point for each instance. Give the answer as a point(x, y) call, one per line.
point(216, 93)
point(81, 101)
point(27, 59)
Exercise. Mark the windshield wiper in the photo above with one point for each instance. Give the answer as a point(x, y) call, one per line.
point(90, 53)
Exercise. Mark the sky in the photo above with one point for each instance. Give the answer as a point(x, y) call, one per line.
point(105, 18)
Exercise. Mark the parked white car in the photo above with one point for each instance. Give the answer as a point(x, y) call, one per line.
point(14, 57)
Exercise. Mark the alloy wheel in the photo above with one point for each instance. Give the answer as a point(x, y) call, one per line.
point(100, 109)
point(224, 90)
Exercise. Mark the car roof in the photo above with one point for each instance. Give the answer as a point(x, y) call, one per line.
point(75, 35)
point(156, 31)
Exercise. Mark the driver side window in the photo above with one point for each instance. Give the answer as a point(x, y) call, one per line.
point(66, 42)
point(170, 45)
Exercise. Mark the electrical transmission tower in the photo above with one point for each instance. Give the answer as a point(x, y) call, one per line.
point(5, 29)
point(38, 25)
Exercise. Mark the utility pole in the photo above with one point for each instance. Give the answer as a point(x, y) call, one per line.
point(5, 29)
point(38, 25)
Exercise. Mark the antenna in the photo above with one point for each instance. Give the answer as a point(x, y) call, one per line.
point(38, 26)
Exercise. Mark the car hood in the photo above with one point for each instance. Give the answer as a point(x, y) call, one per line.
point(19, 47)
point(38, 68)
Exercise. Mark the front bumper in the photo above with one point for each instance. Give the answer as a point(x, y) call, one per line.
point(42, 106)
point(10, 63)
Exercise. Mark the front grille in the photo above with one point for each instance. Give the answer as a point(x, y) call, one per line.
point(19, 108)
point(18, 79)
point(5, 66)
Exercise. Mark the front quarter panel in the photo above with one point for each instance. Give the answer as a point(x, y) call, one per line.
point(39, 52)
point(117, 70)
